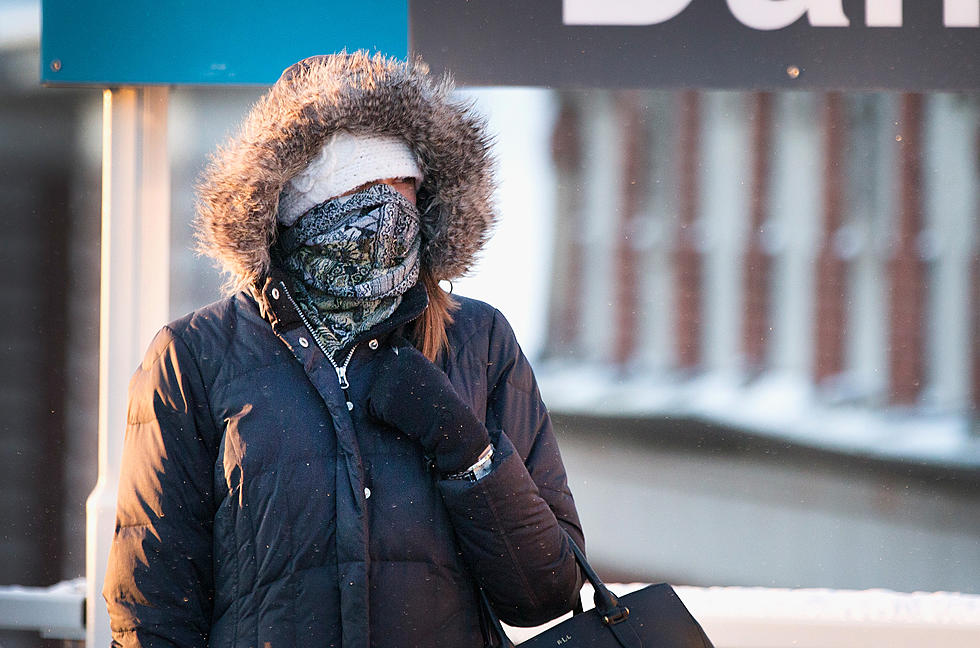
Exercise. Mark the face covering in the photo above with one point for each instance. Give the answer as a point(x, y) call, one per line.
point(353, 256)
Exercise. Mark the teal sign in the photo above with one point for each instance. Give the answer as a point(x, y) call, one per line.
point(181, 42)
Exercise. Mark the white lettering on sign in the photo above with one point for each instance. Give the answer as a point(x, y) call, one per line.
point(776, 14)
point(760, 14)
point(621, 12)
point(883, 13)
point(961, 13)
point(888, 13)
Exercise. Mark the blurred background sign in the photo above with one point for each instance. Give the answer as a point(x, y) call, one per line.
point(116, 42)
point(879, 44)
point(762, 44)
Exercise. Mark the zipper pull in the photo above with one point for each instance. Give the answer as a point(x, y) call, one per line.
point(342, 376)
point(344, 385)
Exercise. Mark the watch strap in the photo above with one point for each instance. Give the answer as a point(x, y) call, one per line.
point(478, 470)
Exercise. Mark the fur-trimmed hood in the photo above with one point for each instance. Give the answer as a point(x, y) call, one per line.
point(238, 194)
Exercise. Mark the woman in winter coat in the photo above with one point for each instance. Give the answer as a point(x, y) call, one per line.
point(340, 453)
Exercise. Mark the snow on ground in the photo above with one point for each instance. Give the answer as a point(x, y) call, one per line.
point(810, 618)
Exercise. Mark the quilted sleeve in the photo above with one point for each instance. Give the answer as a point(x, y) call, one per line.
point(508, 522)
point(159, 582)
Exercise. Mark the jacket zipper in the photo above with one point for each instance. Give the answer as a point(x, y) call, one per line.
point(342, 374)
point(341, 369)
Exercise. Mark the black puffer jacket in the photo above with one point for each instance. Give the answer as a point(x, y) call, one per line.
point(255, 510)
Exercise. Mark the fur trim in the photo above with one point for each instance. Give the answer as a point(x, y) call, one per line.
point(238, 195)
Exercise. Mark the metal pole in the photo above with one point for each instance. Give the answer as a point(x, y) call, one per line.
point(135, 296)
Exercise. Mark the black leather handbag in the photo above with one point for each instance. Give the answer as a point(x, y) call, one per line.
point(653, 617)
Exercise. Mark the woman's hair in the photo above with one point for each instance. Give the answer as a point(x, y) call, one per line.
point(429, 330)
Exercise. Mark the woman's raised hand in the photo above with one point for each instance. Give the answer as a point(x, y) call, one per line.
point(415, 396)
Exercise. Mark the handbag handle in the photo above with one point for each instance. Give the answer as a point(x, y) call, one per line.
point(606, 603)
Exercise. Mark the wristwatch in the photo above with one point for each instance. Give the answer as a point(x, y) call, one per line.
point(477, 471)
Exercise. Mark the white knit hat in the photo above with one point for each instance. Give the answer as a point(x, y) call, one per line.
point(346, 161)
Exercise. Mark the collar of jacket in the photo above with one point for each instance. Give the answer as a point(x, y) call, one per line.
point(278, 308)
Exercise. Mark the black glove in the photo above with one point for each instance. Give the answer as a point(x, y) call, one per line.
point(415, 396)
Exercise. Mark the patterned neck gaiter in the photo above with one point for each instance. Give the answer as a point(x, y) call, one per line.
point(354, 257)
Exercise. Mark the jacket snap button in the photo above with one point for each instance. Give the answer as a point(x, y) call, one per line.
point(303, 342)
point(373, 344)
point(367, 493)
point(275, 293)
